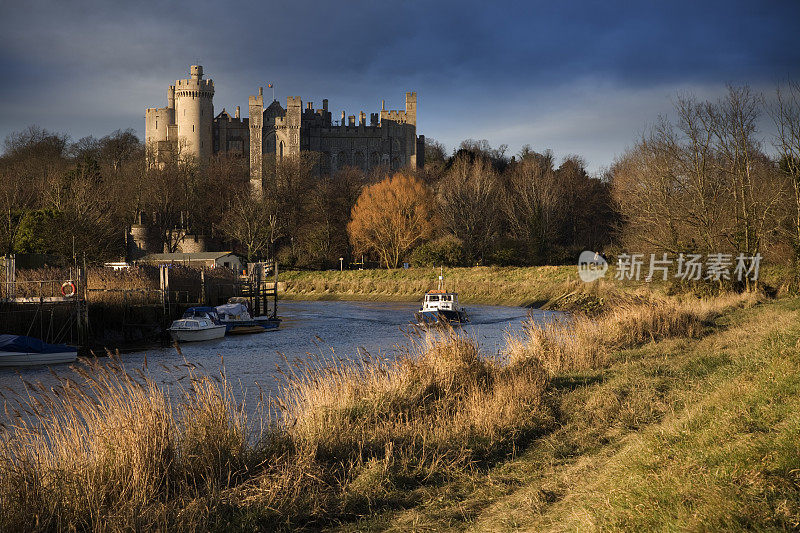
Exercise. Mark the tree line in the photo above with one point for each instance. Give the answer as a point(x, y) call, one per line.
point(710, 182)
point(706, 181)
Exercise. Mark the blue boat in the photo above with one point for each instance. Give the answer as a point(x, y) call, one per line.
point(19, 350)
point(236, 317)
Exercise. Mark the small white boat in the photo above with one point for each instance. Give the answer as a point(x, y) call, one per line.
point(441, 307)
point(195, 329)
point(19, 350)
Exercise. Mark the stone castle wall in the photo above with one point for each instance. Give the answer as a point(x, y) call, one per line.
point(187, 126)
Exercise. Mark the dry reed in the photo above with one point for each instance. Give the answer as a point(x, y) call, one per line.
point(113, 453)
point(585, 342)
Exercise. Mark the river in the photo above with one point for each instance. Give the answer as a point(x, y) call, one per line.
point(310, 330)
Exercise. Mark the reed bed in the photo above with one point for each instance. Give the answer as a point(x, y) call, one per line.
point(111, 452)
point(587, 342)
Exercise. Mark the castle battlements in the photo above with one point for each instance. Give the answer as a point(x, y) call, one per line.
point(187, 125)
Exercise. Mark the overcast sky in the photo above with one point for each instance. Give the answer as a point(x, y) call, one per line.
point(577, 77)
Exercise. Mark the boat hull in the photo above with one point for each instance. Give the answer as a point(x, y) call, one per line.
point(196, 335)
point(256, 325)
point(32, 359)
point(246, 329)
point(441, 316)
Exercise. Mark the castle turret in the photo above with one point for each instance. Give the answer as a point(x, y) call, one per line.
point(256, 106)
point(411, 132)
point(287, 132)
point(194, 114)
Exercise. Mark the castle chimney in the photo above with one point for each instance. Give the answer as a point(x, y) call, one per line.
point(310, 106)
point(237, 112)
point(383, 105)
point(325, 104)
point(343, 119)
point(362, 119)
point(260, 91)
point(352, 120)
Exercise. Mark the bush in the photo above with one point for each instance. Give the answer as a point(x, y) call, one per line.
point(445, 251)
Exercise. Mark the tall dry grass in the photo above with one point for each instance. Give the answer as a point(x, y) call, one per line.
point(112, 452)
point(582, 341)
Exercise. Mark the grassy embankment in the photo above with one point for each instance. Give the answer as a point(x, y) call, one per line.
point(483, 285)
point(677, 413)
point(556, 286)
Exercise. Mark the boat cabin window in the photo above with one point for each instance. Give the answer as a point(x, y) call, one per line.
point(446, 297)
point(433, 298)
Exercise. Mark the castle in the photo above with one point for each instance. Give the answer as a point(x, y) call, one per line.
point(187, 127)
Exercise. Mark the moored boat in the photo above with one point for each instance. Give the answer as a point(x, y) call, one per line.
point(238, 321)
point(19, 350)
point(195, 329)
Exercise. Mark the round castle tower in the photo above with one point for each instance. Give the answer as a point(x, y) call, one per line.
point(194, 114)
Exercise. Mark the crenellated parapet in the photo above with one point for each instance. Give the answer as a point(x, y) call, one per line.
point(188, 127)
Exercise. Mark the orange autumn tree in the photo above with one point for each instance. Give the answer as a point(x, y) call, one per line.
point(391, 217)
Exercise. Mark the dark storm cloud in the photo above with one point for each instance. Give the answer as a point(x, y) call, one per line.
point(575, 76)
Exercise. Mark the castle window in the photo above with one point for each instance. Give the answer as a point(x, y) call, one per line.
point(192, 128)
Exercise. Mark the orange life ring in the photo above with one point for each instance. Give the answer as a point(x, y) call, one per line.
point(68, 289)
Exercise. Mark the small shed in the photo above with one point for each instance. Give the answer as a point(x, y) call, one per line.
point(197, 260)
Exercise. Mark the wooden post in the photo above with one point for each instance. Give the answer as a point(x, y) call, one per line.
point(257, 290)
point(202, 285)
point(83, 307)
point(11, 276)
point(275, 290)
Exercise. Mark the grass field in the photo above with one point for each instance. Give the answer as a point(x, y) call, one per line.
point(668, 413)
point(523, 286)
point(490, 285)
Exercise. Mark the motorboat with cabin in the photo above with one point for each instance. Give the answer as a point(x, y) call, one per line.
point(441, 307)
point(19, 350)
point(197, 326)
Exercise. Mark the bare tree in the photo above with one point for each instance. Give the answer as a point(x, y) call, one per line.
point(531, 202)
point(785, 114)
point(465, 197)
point(248, 222)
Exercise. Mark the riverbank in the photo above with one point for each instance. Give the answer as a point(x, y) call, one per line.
point(683, 434)
point(528, 286)
point(674, 413)
point(554, 287)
